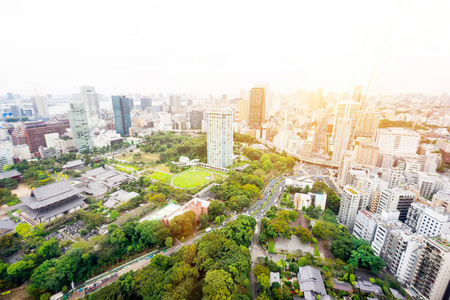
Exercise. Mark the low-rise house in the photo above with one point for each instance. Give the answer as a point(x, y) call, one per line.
point(342, 286)
point(196, 205)
point(73, 164)
point(368, 287)
point(13, 174)
point(119, 196)
point(274, 277)
point(51, 201)
point(7, 226)
point(311, 283)
point(108, 177)
point(396, 294)
point(92, 188)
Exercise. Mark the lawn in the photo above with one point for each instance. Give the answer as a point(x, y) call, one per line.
point(191, 179)
point(145, 157)
point(163, 177)
point(129, 166)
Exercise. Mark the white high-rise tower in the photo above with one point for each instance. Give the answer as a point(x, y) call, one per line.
point(220, 137)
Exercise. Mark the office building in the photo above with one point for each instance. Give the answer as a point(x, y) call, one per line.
point(443, 145)
point(122, 118)
point(33, 133)
point(146, 102)
point(428, 221)
point(346, 110)
point(357, 91)
point(441, 199)
point(365, 225)
point(394, 178)
point(220, 137)
point(399, 246)
point(431, 276)
point(397, 141)
point(368, 123)
point(257, 108)
point(40, 106)
point(79, 126)
point(388, 223)
point(50, 139)
point(344, 168)
point(175, 102)
point(366, 154)
point(396, 199)
point(243, 94)
point(243, 111)
point(352, 201)
point(196, 118)
point(90, 98)
point(426, 185)
point(342, 137)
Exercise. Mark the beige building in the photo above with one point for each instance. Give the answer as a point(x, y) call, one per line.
point(367, 154)
point(243, 107)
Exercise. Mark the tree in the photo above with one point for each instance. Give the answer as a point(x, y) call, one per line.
point(23, 229)
point(218, 285)
point(217, 220)
point(264, 282)
point(441, 168)
point(169, 242)
point(215, 209)
point(8, 183)
point(183, 225)
point(20, 271)
point(304, 234)
point(49, 249)
point(204, 219)
point(306, 189)
point(260, 270)
point(293, 214)
point(113, 214)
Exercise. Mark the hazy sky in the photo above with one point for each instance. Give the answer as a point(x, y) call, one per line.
point(223, 46)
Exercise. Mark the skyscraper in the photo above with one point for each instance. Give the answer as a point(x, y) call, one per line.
point(346, 109)
point(220, 137)
point(342, 137)
point(122, 118)
point(368, 123)
point(40, 106)
point(79, 126)
point(146, 102)
point(243, 111)
point(90, 99)
point(257, 111)
point(357, 90)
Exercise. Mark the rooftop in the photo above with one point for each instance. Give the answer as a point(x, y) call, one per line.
point(10, 174)
point(441, 242)
point(50, 194)
point(310, 279)
point(274, 277)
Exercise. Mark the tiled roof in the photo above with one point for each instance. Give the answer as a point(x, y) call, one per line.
point(50, 194)
point(53, 210)
point(10, 174)
point(310, 279)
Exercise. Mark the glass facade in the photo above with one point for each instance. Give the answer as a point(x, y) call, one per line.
point(122, 118)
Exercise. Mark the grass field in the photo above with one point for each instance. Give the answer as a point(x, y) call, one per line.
point(164, 178)
point(129, 166)
point(191, 179)
point(145, 157)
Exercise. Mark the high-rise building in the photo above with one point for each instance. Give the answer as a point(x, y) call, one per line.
point(431, 276)
point(90, 99)
point(220, 137)
point(243, 94)
point(40, 106)
point(344, 168)
point(33, 133)
point(175, 102)
point(367, 123)
point(357, 90)
point(146, 102)
point(397, 141)
point(394, 177)
point(342, 137)
point(428, 221)
point(243, 111)
point(366, 154)
point(79, 126)
point(122, 118)
point(352, 201)
point(196, 118)
point(257, 110)
point(396, 199)
point(346, 109)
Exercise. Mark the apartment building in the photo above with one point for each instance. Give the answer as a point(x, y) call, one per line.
point(352, 201)
point(428, 221)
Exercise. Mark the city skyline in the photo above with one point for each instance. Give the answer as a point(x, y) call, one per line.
point(211, 54)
